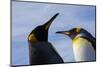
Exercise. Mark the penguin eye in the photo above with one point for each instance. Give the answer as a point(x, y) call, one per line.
point(78, 30)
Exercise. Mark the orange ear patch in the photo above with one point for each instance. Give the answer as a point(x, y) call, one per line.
point(78, 30)
point(32, 38)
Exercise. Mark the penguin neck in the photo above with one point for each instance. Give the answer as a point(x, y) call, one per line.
point(42, 38)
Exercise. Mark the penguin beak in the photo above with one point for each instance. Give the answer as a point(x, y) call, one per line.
point(47, 25)
point(63, 32)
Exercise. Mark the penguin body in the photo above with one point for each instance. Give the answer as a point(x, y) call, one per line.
point(84, 45)
point(83, 50)
point(44, 53)
point(40, 50)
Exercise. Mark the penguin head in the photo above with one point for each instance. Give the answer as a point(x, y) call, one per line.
point(72, 33)
point(40, 33)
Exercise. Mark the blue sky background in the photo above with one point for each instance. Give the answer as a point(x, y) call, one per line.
point(26, 16)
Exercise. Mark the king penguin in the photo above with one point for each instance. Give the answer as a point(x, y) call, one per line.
point(84, 45)
point(40, 50)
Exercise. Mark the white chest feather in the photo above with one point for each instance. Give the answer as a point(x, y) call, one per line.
point(83, 50)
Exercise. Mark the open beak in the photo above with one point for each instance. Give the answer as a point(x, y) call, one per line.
point(63, 32)
point(47, 25)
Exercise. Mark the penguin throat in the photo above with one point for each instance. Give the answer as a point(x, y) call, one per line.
point(42, 37)
point(75, 38)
